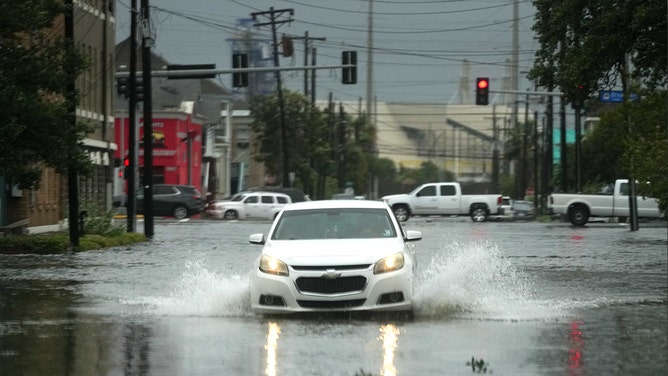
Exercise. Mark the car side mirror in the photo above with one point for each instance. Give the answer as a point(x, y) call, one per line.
point(256, 239)
point(412, 235)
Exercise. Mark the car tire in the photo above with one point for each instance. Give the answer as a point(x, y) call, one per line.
point(401, 212)
point(578, 215)
point(180, 212)
point(231, 214)
point(479, 214)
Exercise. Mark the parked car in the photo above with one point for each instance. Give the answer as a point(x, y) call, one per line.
point(296, 195)
point(334, 256)
point(249, 205)
point(506, 205)
point(523, 210)
point(445, 199)
point(169, 200)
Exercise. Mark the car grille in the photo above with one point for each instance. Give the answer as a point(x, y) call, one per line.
point(321, 285)
point(331, 305)
point(337, 267)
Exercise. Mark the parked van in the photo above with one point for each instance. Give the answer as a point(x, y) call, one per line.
point(249, 205)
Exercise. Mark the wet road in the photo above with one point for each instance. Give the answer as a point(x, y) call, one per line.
point(526, 298)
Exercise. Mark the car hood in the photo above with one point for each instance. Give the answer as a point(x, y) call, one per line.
point(394, 197)
point(332, 252)
point(228, 203)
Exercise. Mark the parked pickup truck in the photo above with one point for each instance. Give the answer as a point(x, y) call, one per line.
point(443, 199)
point(578, 208)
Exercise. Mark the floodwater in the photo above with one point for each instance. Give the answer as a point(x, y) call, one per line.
point(501, 298)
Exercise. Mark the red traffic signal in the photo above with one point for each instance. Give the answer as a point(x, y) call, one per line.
point(482, 91)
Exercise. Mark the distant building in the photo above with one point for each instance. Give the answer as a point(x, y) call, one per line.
point(456, 138)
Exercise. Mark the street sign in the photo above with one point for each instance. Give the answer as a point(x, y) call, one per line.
point(616, 96)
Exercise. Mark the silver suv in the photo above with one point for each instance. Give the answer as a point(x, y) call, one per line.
point(249, 205)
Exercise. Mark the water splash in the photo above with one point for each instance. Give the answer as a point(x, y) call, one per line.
point(202, 292)
point(474, 281)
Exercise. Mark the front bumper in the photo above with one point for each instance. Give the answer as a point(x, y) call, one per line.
point(338, 290)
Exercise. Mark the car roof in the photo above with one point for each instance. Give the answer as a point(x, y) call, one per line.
point(295, 194)
point(245, 193)
point(336, 204)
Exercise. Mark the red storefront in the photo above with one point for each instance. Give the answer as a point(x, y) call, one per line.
point(177, 147)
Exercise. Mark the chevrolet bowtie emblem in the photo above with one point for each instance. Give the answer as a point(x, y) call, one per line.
point(331, 274)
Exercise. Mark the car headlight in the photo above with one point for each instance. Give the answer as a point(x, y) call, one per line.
point(271, 265)
point(389, 264)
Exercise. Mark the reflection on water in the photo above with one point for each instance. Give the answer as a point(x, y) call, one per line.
point(136, 349)
point(575, 350)
point(272, 345)
point(390, 338)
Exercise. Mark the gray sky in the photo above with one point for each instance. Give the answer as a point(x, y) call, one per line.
point(419, 45)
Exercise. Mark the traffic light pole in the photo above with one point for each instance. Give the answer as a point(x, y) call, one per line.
point(131, 203)
point(147, 42)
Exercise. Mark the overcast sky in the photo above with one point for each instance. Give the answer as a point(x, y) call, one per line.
point(419, 45)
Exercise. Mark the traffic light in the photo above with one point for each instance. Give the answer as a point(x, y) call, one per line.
point(126, 168)
point(349, 74)
point(482, 91)
point(288, 48)
point(122, 86)
point(240, 61)
point(139, 89)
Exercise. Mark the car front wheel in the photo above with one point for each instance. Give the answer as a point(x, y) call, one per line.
point(578, 215)
point(180, 212)
point(231, 214)
point(479, 214)
point(401, 212)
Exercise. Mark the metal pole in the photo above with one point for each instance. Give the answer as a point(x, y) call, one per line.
point(147, 42)
point(132, 125)
point(578, 118)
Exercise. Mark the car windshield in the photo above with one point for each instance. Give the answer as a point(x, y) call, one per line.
point(339, 223)
point(238, 197)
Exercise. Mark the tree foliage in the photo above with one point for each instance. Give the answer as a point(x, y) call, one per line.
point(37, 70)
point(328, 149)
point(607, 44)
point(588, 43)
point(307, 137)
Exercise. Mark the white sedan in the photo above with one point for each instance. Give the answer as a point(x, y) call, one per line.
point(334, 256)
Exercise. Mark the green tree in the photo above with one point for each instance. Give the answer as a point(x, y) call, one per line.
point(605, 44)
point(37, 70)
point(307, 138)
point(647, 147)
point(588, 43)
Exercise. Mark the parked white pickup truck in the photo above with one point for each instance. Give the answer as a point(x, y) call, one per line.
point(579, 207)
point(443, 199)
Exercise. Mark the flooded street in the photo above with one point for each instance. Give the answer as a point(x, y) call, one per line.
point(523, 298)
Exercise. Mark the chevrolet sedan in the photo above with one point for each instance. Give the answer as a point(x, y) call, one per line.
point(334, 256)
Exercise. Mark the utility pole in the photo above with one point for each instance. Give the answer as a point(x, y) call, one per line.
point(72, 172)
point(341, 146)
point(564, 156)
point(273, 21)
point(369, 66)
point(514, 69)
point(495, 152)
point(548, 157)
point(147, 43)
point(307, 48)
